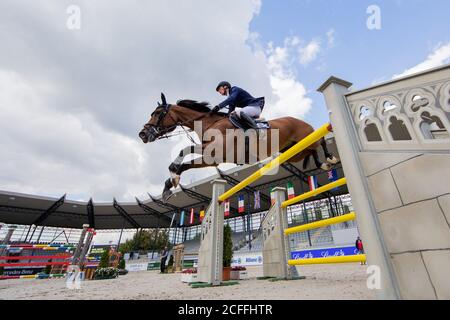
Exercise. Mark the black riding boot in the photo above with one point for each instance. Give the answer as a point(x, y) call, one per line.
point(250, 121)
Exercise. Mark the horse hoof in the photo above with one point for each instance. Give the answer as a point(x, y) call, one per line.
point(325, 166)
point(333, 160)
point(166, 195)
point(175, 180)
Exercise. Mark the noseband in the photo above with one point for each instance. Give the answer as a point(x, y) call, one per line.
point(157, 130)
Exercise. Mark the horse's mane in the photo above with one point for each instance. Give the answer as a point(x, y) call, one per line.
point(194, 105)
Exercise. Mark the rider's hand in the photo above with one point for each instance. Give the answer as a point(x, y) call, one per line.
point(215, 109)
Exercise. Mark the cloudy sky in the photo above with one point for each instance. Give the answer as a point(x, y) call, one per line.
point(78, 79)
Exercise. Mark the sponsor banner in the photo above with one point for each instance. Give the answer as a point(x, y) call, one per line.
point(247, 260)
point(323, 253)
point(136, 266)
point(22, 271)
point(154, 265)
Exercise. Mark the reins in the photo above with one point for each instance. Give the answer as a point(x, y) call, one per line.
point(182, 124)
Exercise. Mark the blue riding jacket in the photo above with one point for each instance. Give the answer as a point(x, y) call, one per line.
point(239, 98)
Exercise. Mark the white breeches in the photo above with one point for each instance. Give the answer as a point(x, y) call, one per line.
point(253, 112)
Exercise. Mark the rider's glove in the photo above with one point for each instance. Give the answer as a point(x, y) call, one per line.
point(215, 109)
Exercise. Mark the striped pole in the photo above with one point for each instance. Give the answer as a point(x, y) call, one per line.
point(321, 223)
point(315, 192)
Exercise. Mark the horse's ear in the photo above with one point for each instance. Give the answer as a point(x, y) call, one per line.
point(163, 99)
point(159, 104)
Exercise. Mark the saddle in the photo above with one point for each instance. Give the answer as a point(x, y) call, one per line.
point(244, 125)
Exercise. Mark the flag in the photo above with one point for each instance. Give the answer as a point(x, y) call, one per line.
point(257, 198)
point(227, 208)
point(332, 176)
point(272, 197)
point(241, 204)
point(182, 218)
point(290, 190)
point(312, 181)
point(202, 214)
point(191, 220)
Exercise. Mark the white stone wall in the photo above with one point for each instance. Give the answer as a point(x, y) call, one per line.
point(394, 142)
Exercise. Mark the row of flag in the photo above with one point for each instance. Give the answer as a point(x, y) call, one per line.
point(312, 182)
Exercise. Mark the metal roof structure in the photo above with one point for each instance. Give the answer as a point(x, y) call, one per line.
point(17, 208)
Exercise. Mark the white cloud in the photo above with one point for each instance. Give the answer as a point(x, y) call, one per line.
point(289, 94)
point(310, 52)
point(439, 56)
point(330, 38)
point(73, 102)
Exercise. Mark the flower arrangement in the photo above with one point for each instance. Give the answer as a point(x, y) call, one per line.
point(238, 268)
point(193, 270)
point(238, 273)
point(106, 273)
point(189, 275)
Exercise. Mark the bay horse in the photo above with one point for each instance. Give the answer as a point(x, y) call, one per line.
point(167, 117)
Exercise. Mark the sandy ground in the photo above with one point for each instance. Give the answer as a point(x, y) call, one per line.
point(345, 281)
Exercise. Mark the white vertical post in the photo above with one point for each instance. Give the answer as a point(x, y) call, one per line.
point(347, 141)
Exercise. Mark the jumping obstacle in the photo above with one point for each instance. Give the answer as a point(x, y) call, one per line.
point(35, 264)
point(211, 251)
point(78, 258)
point(276, 248)
point(393, 141)
point(36, 247)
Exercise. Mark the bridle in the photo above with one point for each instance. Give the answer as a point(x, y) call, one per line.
point(161, 132)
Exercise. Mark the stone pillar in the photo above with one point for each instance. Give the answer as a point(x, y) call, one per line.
point(347, 142)
point(178, 254)
point(210, 264)
point(276, 248)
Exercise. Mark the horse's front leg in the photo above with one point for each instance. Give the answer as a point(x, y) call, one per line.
point(176, 166)
point(175, 169)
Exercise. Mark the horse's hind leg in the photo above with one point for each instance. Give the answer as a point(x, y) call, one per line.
point(324, 166)
point(328, 155)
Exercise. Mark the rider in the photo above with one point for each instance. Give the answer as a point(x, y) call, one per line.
point(240, 102)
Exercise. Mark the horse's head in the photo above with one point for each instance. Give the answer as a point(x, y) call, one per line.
point(160, 123)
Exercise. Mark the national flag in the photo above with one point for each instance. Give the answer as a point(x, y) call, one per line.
point(332, 177)
point(227, 208)
point(257, 198)
point(290, 190)
point(182, 218)
point(202, 215)
point(312, 181)
point(272, 197)
point(241, 205)
point(191, 220)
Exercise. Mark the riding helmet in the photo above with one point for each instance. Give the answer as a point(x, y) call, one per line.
point(223, 84)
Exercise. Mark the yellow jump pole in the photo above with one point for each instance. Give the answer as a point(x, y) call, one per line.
point(321, 223)
point(337, 259)
point(299, 147)
point(315, 192)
